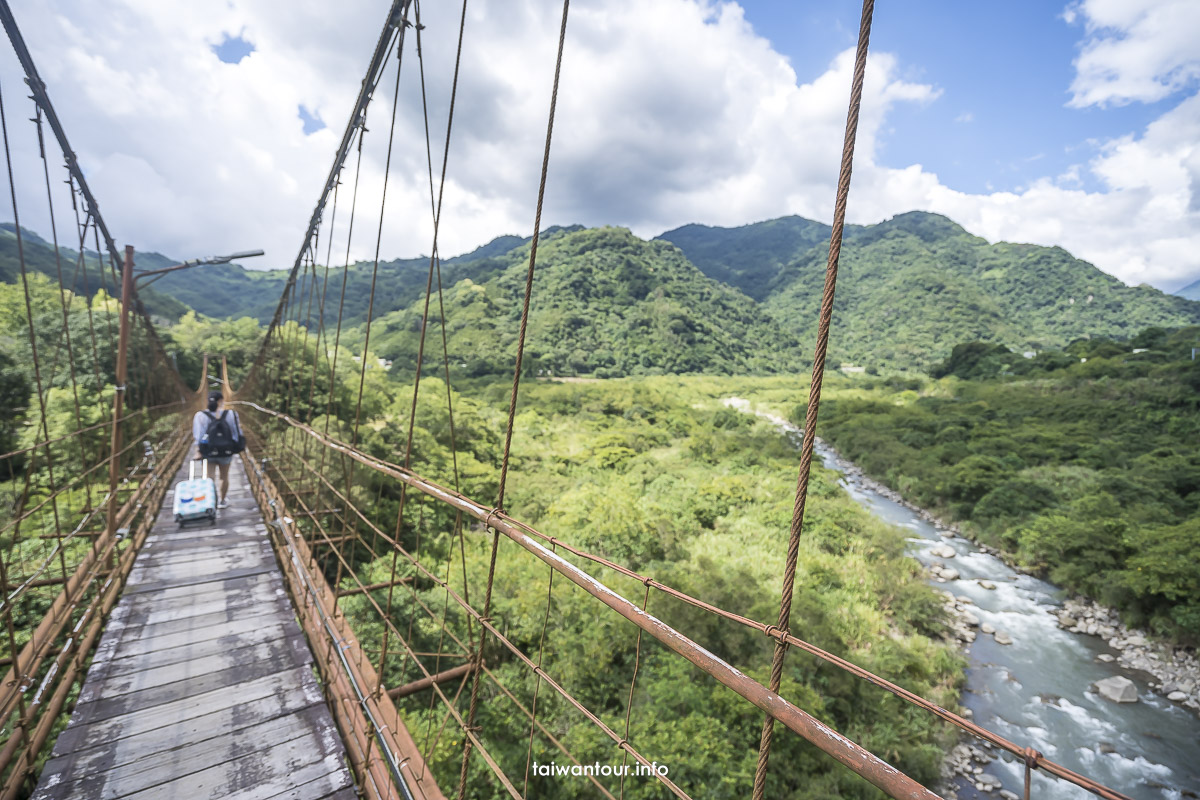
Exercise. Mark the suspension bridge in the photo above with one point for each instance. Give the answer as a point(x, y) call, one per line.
point(148, 660)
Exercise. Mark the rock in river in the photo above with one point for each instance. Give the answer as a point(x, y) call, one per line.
point(943, 551)
point(1002, 638)
point(1117, 689)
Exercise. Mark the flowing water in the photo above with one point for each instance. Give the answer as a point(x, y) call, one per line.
point(1036, 692)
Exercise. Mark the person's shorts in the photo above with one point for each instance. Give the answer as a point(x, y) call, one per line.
point(223, 461)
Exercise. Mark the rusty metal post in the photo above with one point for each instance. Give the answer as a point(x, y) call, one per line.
point(119, 395)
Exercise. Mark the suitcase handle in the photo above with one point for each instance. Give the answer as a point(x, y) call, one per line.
point(203, 468)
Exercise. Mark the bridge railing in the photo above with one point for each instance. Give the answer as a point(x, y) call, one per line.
point(90, 425)
point(62, 570)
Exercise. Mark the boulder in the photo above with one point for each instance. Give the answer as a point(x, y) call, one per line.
point(1002, 638)
point(988, 782)
point(1106, 748)
point(1106, 658)
point(970, 619)
point(943, 551)
point(949, 574)
point(1177, 697)
point(987, 628)
point(1118, 689)
point(987, 585)
point(1066, 620)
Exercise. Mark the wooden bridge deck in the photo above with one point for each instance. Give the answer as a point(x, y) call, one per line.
point(202, 685)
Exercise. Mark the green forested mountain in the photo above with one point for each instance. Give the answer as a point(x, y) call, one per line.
point(606, 304)
point(228, 290)
point(753, 258)
point(912, 287)
point(909, 289)
point(84, 280)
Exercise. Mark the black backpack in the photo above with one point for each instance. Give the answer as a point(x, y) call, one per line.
point(218, 440)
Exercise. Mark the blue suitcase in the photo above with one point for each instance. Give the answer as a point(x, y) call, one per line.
point(196, 498)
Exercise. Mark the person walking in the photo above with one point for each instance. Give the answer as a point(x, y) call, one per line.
point(217, 433)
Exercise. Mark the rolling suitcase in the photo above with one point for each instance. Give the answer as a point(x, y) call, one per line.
point(196, 498)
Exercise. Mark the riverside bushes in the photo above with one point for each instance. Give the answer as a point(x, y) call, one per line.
point(1089, 473)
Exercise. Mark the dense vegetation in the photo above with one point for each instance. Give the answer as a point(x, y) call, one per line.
point(84, 277)
point(1082, 463)
point(913, 286)
point(607, 304)
point(656, 474)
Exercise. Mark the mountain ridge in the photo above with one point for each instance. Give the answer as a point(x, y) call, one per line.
point(913, 286)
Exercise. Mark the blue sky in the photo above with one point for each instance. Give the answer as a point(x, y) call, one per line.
point(1004, 72)
point(210, 127)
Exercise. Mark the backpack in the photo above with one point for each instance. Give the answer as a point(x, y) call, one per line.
point(218, 441)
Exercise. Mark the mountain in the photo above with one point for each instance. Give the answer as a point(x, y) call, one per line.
point(753, 257)
point(912, 287)
point(1191, 291)
point(229, 290)
point(605, 303)
point(85, 279)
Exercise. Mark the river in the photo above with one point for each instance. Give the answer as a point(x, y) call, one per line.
point(1036, 691)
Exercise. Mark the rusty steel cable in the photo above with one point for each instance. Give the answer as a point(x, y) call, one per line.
point(484, 623)
point(516, 382)
point(436, 209)
point(814, 394)
point(392, 28)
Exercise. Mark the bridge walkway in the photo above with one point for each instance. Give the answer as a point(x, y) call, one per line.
point(202, 685)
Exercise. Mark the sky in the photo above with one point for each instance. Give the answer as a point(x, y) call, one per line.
point(206, 128)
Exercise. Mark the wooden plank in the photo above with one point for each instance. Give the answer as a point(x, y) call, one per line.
point(175, 603)
point(202, 685)
point(347, 793)
point(337, 785)
point(156, 586)
point(181, 548)
point(257, 776)
point(118, 772)
point(224, 643)
point(198, 625)
point(90, 708)
point(281, 652)
point(215, 562)
point(278, 693)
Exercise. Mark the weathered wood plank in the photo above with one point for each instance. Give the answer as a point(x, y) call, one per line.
point(174, 603)
point(209, 565)
point(202, 685)
point(174, 583)
point(117, 771)
point(210, 614)
point(230, 642)
point(279, 693)
point(174, 680)
point(335, 785)
point(272, 773)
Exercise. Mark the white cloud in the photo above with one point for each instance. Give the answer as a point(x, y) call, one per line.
point(1136, 50)
point(670, 111)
